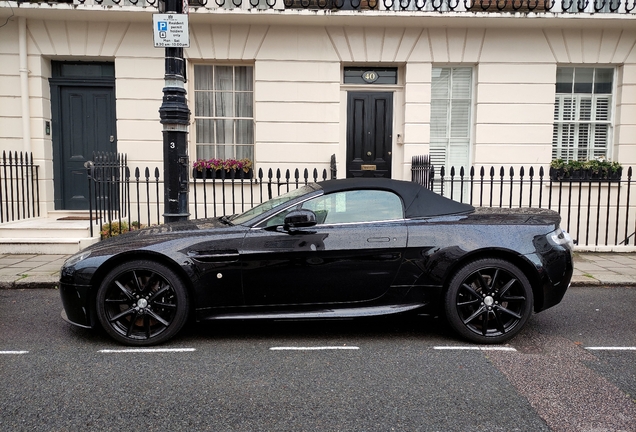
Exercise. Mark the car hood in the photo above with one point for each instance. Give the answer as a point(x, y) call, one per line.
point(146, 237)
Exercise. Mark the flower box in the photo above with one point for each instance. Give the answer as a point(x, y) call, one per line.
point(221, 174)
point(598, 169)
point(583, 175)
point(227, 169)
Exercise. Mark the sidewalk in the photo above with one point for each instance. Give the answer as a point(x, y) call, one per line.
point(590, 269)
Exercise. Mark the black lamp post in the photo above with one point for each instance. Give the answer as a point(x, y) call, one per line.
point(175, 117)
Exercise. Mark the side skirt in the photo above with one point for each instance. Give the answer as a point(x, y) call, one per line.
point(313, 314)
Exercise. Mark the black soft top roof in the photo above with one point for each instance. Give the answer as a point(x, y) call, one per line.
point(418, 201)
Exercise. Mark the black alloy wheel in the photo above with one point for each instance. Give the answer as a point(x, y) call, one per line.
point(488, 301)
point(142, 303)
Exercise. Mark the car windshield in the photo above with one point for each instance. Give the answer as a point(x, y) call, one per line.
point(274, 203)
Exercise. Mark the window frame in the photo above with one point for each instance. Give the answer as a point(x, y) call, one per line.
point(560, 99)
point(213, 118)
point(299, 205)
point(470, 122)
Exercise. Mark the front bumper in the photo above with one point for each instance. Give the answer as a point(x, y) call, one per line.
point(78, 301)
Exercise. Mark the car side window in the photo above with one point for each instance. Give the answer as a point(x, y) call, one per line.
point(355, 206)
point(349, 207)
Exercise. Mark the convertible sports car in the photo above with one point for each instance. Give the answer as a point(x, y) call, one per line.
point(334, 249)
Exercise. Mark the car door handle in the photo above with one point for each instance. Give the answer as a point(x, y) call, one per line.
point(379, 239)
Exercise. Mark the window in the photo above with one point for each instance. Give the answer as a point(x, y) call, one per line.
point(450, 117)
point(349, 207)
point(582, 113)
point(224, 112)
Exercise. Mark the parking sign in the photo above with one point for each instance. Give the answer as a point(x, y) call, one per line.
point(171, 31)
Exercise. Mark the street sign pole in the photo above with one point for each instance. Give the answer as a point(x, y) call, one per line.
point(175, 118)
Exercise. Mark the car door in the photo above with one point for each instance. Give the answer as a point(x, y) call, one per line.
point(351, 255)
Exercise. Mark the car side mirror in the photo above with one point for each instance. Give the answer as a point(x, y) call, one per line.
point(300, 219)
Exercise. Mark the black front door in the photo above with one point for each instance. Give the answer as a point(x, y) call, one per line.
point(369, 134)
point(83, 108)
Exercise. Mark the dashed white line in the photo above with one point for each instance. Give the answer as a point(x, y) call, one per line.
point(626, 348)
point(475, 348)
point(324, 348)
point(317, 348)
point(147, 350)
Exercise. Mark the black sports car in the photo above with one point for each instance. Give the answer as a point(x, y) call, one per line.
point(334, 249)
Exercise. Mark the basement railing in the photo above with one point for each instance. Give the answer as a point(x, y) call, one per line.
point(121, 199)
point(19, 189)
point(596, 209)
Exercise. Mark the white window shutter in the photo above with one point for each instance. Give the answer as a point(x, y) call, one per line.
point(450, 117)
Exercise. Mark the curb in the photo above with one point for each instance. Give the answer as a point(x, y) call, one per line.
point(29, 282)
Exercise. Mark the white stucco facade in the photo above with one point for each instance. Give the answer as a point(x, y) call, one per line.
point(298, 57)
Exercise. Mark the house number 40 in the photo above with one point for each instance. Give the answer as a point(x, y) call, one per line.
point(370, 76)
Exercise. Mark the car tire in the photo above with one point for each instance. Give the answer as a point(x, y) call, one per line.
point(142, 303)
point(488, 301)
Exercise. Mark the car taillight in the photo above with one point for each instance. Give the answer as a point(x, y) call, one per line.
point(562, 238)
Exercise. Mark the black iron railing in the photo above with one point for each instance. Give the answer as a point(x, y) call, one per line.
point(19, 189)
point(234, 193)
point(537, 6)
point(596, 211)
point(121, 199)
point(108, 193)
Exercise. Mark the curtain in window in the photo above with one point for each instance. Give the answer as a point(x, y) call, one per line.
point(224, 106)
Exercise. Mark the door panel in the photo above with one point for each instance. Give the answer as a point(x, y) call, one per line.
point(369, 134)
point(87, 125)
point(325, 264)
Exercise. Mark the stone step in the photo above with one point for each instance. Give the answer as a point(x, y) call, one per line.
point(62, 232)
point(46, 228)
point(56, 246)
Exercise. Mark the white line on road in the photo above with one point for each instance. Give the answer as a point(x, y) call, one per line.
point(14, 352)
point(318, 348)
point(147, 350)
point(628, 348)
point(474, 348)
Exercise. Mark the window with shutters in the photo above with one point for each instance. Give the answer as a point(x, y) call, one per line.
point(451, 100)
point(582, 113)
point(224, 112)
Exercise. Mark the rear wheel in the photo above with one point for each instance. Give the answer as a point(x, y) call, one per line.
point(488, 301)
point(142, 303)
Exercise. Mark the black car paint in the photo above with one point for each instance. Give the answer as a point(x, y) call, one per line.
point(341, 270)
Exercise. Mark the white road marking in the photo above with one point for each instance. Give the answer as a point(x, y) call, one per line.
point(627, 348)
point(318, 348)
point(475, 348)
point(14, 352)
point(147, 350)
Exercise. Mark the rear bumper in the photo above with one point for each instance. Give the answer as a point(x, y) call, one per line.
point(555, 271)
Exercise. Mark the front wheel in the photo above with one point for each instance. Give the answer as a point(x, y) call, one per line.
point(488, 301)
point(142, 303)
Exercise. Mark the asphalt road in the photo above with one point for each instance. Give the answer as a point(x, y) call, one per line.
point(563, 373)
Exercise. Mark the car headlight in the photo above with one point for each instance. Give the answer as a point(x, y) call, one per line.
point(77, 258)
point(562, 238)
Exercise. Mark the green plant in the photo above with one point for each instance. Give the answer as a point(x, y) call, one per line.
point(598, 166)
point(115, 228)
